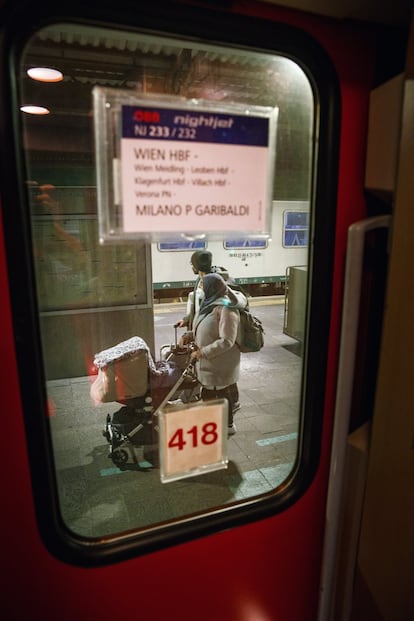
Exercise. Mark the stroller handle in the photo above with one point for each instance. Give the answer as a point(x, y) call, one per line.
point(187, 371)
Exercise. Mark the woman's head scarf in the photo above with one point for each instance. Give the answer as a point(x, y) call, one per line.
point(215, 293)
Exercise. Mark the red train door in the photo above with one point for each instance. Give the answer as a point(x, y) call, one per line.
point(270, 100)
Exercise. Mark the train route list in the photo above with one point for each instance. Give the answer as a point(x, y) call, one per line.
point(192, 170)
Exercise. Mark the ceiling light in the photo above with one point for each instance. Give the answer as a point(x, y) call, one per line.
point(35, 110)
point(45, 74)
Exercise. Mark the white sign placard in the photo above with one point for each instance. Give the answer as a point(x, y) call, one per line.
point(182, 166)
point(193, 439)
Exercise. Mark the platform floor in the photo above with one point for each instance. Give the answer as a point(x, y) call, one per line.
point(99, 499)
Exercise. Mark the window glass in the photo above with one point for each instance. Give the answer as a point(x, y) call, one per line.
point(296, 228)
point(167, 246)
point(245, 243)
point(96, 298)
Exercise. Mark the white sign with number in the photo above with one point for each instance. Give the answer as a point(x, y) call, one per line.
point(193, 439)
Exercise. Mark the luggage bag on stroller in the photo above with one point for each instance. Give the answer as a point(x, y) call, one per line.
point(180, 355)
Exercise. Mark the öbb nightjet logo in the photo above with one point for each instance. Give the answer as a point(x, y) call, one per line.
point(147, 116)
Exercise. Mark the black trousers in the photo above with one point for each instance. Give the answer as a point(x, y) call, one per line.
point(223, 393)
point(235, 392)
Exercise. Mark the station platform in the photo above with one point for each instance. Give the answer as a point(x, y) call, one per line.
point(98, 499)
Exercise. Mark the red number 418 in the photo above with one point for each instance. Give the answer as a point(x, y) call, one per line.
point(207, 435)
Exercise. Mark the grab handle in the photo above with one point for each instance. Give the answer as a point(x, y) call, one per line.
point(348, 344)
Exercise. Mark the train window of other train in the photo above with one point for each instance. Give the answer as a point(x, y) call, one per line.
point(295, 228)
point(99, 299)
point(245, 243)
point(168, 246)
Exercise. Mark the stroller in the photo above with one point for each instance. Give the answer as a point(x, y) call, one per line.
point(128, 375)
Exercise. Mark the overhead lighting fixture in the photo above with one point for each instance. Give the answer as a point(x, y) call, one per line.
point(35, 110)
point(45, 74)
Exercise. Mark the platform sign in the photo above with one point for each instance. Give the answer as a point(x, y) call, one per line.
point(193, 439)
point(169, 165)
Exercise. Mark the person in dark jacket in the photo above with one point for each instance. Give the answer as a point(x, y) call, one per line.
point(201, 261)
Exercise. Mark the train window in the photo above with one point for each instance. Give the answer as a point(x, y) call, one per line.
point(106, 357)
point(295, 228)
point(245, 243)
point(168, 246)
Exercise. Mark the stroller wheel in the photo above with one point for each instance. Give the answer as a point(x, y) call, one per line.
point(120, 456)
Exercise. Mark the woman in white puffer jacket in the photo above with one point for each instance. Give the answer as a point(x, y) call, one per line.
point(215, 330)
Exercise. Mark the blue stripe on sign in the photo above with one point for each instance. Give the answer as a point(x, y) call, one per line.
point(277, 439)
point(163, 124)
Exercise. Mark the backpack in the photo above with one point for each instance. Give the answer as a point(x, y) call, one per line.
point(250, 336)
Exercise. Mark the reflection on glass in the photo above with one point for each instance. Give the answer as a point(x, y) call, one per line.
point(93, 297)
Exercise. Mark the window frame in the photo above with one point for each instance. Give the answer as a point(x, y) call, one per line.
point(222, 28)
